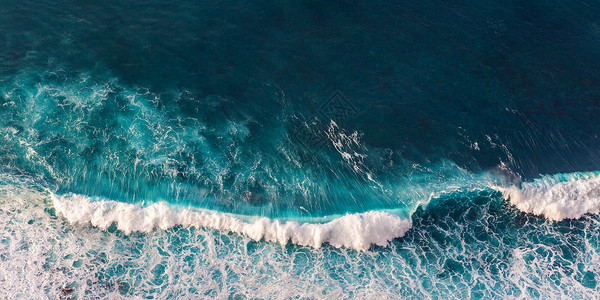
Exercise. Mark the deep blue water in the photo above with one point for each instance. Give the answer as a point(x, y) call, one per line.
point(476, 121)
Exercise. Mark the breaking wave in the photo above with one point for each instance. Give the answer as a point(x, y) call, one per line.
point(558, 197)
point(357, 231)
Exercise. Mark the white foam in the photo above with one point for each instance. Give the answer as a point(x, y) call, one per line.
point(357, 231)
point(558, 197)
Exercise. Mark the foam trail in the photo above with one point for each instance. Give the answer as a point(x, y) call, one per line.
point(357, 231)
point(558, 197)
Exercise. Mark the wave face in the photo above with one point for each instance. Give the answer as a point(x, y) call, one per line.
point(318, 150)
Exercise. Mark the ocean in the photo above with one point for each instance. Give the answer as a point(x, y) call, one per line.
point(299, 149)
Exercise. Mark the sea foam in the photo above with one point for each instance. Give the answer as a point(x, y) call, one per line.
point(558, 197)
point(356, 231)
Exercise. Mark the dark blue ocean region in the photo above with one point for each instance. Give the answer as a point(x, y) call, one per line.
point(307, 149)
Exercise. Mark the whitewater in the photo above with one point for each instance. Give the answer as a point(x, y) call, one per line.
point(555, 197)
point(165, 240)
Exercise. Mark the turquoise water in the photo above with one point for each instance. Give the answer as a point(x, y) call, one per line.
point(299, 150)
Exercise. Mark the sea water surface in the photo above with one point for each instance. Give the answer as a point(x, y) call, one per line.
point(299, 149)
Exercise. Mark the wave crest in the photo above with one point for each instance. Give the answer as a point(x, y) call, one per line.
point(356, 231)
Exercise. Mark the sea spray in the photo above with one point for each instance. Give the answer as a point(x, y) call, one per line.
point(558, 197)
